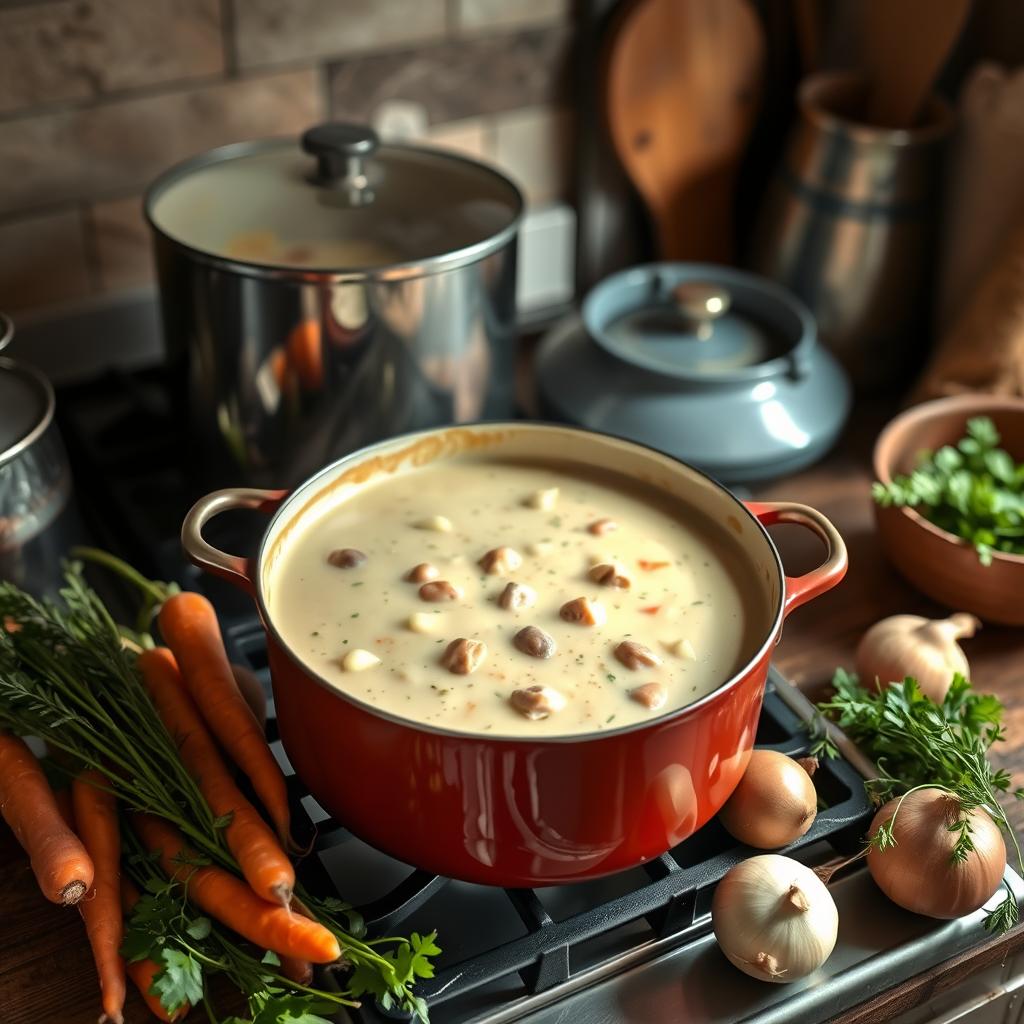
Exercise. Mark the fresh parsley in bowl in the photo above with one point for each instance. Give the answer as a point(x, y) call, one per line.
point(949, 502)
point(973, 489)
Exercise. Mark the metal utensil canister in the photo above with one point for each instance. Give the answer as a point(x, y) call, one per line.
point(848, 225)
point(38, 522)
point(314, 302)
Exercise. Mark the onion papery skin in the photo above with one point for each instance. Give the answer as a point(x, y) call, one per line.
point(774, 804)
point(753, 918)
point(910, 645)
point(918, 874)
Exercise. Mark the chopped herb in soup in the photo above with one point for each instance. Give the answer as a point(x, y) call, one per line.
point(512, 598)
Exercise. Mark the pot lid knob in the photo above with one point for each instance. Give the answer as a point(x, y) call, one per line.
point(702, 304)
point(340, 149)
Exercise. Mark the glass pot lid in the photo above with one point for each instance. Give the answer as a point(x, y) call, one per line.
point(341, 202)
point(699, 322)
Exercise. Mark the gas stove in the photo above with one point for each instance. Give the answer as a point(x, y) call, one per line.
point(636, 946)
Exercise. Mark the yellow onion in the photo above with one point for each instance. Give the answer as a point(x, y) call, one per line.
point(909, 645)
point(918, 873)
point(775, 802)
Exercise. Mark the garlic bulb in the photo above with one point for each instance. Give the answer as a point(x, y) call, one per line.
point(909, 645)
point(774, 919)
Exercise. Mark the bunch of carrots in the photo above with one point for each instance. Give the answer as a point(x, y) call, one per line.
point(141, 730)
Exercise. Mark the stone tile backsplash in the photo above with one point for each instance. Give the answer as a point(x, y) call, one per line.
point(74, 155)
point(458, 78)
point(43, 259)
point(122, 249)
point(271, 31)
point(74, 51)
point(477, 15)
point(533, 146)
point(97, 97)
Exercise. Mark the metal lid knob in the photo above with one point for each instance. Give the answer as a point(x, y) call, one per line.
point(702, 304)
point(340, 149)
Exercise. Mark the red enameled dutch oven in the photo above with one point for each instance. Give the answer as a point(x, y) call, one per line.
point(514, 811)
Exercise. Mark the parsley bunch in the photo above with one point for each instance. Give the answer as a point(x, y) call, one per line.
point(974, 490)
point(918, 744)
point(191, 949)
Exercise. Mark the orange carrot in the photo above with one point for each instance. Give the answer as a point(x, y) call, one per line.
point(651, 609)
point(143, 972)
point(63, 801)
point(649, 566)
point(60, 862)
point(189, 625)
point(300, 971)
point(265, 866)
point(95, 811)
point(233, 903)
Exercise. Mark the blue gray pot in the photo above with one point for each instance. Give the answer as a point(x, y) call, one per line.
point(716, 366)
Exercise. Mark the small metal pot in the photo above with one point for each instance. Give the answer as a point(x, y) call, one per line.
point(510, 810)
point(36, 516)
point(315, 302)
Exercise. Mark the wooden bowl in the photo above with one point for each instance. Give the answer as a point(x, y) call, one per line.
point(938, 563)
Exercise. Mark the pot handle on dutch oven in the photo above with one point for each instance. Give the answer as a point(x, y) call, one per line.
point(801, 589)
point(233, 568)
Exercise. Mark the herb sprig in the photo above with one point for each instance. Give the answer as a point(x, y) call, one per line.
point(974, 490)
point(191, 949)
point(919, 744)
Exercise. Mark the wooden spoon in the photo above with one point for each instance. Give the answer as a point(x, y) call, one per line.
point(906, 43)
point(684, 77)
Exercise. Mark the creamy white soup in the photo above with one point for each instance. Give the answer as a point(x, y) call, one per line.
point(532, 600)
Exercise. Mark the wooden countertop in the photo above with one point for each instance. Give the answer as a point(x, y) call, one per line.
point(46, 974)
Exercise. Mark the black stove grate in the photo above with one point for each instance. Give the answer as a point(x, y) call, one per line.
point(667, 897)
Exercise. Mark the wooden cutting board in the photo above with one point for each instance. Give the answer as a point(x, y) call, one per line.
point(682, 88)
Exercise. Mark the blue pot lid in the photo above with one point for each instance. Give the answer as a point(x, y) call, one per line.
point(696, 322)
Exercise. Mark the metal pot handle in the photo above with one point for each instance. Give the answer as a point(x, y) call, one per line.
point(233, 568)
point(801, 589)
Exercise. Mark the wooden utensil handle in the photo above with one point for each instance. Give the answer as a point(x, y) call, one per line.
point(696, 223)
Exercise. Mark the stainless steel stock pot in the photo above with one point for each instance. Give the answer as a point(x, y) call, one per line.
point(321, 296)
